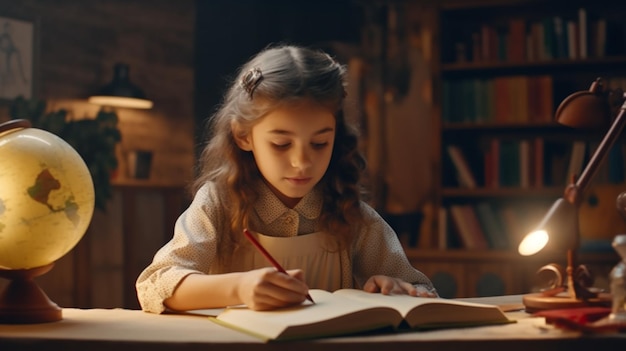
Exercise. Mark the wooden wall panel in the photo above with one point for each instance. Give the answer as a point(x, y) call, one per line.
point(78, 44)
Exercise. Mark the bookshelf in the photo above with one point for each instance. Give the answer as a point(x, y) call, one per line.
point(500, 69)
point(504, 68)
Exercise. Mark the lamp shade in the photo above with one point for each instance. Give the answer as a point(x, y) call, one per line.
point(587, 109)
point(558, 229)
point(121, 92)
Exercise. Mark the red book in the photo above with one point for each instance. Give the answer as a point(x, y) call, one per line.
point(546, 99)
point(586, 319)
point(516, 45)
point(468, 227)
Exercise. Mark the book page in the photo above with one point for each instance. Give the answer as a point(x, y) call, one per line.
point(402, 303)
point(209, 312)
point(330, 315)
point(431, 312)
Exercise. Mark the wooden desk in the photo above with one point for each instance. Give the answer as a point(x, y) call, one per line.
point(122, 329)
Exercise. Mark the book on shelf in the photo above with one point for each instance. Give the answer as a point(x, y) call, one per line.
point(492, 164)
point(493, 227)
point(598, 37)
point(468, 227)
point(537, 162)
point(540, 99)
point(548, 38)
point(560, 37)
point(509, 163)
point(464, 172)
point(571, 28)
point(582, 33)
point(501, 100)
point(516, 50)
point(525, 164)
point(349, 311)
point(579, 34)
point(518, 99)
point(442, 229)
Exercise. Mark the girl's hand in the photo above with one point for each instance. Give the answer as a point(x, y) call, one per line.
point(267, 288)
point(388, 286)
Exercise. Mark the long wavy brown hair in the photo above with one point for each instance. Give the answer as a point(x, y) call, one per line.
point(275, 76)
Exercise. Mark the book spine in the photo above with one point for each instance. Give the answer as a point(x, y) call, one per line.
point(468, 227)
point(478, 238)
point(442, 230)
point(464, 172)
point(582, 33)
point(572, 39)
point(509, 163)
point(524, 164)
point(600, 38)
point(517, 40)
point(493, 227)
point(538, 163)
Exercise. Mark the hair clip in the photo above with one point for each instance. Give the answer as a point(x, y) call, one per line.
point(336, 63)
point(251, 80)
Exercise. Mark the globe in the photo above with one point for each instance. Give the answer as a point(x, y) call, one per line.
point(46, 197)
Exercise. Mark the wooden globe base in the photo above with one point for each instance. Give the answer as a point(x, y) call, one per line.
point(539, 302)
point(23, 301)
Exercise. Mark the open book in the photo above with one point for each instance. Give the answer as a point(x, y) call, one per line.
point(349, 311)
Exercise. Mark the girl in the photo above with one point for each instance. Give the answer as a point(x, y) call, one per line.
point(283, 162)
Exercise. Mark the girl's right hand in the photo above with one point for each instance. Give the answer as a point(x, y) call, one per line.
point(267, 288)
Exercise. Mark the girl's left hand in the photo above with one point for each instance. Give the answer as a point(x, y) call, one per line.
point(389, 285)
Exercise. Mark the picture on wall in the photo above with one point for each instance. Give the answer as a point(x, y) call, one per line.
point(16, 58)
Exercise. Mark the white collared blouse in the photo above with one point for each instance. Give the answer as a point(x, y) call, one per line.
point(193, 248)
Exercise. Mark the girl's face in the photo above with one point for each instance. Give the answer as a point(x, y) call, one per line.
point(292, 146)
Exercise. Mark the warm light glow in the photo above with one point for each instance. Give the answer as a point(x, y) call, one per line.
point(533, 243)
point(118, 101)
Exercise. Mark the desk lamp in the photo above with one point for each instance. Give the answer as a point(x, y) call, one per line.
point(559, 228)
point(121, 92)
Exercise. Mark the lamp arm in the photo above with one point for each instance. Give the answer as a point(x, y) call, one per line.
point(598, 156)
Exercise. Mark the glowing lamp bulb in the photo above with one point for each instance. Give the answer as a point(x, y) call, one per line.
point(533, 243)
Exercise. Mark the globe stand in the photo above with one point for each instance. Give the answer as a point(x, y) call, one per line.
point(23, 301)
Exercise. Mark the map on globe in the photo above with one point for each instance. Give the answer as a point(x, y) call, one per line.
point(46, 198)
point(40, 192)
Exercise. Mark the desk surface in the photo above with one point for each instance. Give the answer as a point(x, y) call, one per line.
point(120, 330)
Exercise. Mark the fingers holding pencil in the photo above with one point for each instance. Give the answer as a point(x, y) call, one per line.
point(271, 259)
point(268, 289)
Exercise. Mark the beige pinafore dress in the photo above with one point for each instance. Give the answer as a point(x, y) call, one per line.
point(324, 267)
